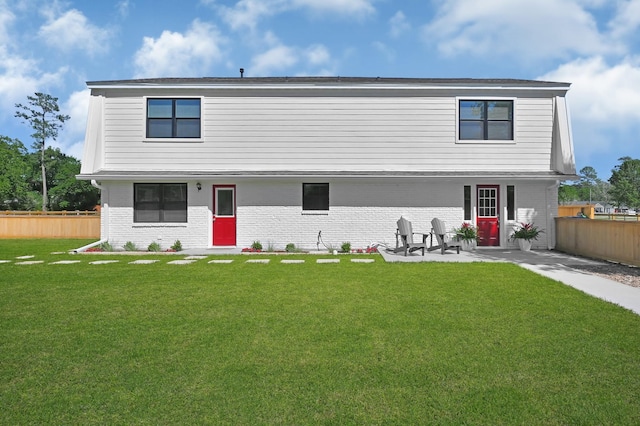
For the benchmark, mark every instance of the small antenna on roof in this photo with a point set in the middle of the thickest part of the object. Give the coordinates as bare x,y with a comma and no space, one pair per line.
241,72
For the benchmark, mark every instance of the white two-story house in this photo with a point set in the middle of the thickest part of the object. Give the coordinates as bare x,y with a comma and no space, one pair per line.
219,162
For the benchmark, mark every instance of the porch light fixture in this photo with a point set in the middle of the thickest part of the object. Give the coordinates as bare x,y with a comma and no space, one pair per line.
199,186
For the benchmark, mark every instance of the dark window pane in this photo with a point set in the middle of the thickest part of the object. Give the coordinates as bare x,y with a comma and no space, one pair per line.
471,130
500,110
471,110
159,108
499,130
159,128
188,108
174,192
188,128
315,196
467,202
511,202
224,202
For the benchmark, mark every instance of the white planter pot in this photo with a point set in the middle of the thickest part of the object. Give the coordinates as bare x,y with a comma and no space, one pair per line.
468,245
524,244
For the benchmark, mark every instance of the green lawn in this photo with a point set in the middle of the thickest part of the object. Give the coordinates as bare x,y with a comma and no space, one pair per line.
345,343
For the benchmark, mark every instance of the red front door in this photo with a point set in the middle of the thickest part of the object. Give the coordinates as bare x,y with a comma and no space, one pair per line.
489,215
224,215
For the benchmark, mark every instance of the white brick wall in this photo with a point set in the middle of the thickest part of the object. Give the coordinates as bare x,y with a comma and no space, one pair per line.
362,211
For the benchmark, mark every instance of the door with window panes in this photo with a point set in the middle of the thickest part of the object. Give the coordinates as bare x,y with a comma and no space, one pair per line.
224,215
488,203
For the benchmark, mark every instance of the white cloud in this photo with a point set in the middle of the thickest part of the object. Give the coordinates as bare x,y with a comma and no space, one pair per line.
608,95
316,59
180,55
627,19
248,13
275,59
398,24
123,8
317,55
71,138
6,18
77,107
605,108
20,77
522,29
72,30
358,8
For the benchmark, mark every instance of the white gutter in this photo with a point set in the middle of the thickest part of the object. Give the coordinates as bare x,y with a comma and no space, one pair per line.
88,246
551,228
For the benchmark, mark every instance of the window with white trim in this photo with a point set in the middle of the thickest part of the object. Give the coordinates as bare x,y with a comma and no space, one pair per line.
160,202
485,120
173,118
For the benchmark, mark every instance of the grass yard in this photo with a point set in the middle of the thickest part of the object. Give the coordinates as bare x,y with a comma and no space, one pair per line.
345,343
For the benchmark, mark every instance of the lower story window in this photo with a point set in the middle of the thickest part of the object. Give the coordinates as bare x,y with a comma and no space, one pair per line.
159,202
315,196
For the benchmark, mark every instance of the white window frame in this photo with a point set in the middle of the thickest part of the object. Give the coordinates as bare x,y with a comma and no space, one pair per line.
172,140
486,141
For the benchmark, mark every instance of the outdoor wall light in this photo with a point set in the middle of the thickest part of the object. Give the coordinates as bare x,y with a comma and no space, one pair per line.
199,186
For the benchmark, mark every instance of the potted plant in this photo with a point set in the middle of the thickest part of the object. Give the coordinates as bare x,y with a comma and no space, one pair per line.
524,234
468,235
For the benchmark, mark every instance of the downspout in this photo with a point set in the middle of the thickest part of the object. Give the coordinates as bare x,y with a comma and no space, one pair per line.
104,238
551,228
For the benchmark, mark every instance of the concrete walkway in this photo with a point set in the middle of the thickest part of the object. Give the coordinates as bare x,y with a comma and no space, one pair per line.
557,266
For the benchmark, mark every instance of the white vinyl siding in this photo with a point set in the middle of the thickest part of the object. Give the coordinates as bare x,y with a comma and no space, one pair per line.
380,132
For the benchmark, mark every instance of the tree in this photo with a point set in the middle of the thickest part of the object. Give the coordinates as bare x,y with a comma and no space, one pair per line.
42,115
567,193
625,183
15,193
67,192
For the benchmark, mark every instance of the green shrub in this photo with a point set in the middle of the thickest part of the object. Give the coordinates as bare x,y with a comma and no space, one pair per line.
154,246
129,246
177,246
256,245
346,247
106,246
291,248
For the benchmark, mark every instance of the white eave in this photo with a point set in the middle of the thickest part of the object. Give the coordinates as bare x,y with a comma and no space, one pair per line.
172,175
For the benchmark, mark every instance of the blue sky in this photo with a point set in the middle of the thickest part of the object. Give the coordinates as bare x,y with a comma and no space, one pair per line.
56,46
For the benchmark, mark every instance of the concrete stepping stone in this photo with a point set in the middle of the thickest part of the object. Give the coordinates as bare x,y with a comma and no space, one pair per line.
328,261
30,262
5,261
221,261
31,256
182,261
58,252
362,260
64,262
195,257
292,261
258,261
143,262
103,262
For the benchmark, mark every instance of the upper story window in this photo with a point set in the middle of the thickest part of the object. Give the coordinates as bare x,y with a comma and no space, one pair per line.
486,120
173,118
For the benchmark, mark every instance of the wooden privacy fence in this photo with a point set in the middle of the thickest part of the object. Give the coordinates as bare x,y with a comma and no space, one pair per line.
587,210
599,239
72,224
